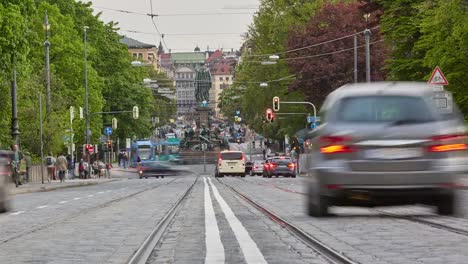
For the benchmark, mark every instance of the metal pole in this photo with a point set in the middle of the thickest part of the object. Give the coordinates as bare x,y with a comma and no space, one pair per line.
47,45
14,111
309,103
204,160
86,86
355,59
367,34
42,140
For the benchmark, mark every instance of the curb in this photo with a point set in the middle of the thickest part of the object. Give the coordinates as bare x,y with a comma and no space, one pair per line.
48,189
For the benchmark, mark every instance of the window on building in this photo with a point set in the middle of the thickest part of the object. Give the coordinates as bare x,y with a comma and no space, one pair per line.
140,55
135,55
221,78
227,78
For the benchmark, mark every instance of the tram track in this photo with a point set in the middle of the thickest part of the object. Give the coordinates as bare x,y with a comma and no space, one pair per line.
413,219
143,252
330,254
39,227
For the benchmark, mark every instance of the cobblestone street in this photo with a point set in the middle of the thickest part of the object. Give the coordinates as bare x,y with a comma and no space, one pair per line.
108,222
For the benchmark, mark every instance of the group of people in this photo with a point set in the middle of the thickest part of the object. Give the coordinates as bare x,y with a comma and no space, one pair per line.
58,168
123,159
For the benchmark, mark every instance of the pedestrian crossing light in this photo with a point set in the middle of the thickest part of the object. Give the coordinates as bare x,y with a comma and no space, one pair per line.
269,115
276,104
135,112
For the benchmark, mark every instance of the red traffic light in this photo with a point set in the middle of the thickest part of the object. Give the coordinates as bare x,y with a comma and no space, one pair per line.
276,103
269,114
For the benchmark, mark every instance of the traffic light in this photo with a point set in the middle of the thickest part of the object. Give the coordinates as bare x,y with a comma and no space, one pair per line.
109,144
269,115
276,103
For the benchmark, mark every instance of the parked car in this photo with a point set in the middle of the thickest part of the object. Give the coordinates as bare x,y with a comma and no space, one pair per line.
387,143
279,166
156,169
257,168
230,163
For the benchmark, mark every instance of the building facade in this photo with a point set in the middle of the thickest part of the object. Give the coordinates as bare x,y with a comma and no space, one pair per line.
222,67
146,53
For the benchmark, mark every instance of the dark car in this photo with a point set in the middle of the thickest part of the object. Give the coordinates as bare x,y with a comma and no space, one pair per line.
157,169
279,166
387,143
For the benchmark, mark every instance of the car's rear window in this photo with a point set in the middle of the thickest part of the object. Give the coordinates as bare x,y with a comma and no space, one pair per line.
384,109
231,156
282,161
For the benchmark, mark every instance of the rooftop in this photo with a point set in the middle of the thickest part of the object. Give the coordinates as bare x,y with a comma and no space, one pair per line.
135,44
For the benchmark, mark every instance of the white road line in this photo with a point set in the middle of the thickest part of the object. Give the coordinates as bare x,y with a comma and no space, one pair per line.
99,192
214,246
249,248
42,206
91,195
17,213
77,198
62,202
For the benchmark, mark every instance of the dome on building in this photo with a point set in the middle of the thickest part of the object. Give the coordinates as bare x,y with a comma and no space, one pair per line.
197,49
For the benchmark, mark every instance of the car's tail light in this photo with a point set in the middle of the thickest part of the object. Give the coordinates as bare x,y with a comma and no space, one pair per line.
335,144
273,165
447,143
291,165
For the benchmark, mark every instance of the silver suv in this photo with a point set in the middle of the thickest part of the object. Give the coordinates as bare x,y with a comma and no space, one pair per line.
386,143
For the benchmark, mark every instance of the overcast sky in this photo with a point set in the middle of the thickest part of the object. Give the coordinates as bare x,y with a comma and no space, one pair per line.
235,23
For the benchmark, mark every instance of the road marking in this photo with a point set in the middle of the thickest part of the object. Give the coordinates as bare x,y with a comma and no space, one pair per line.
99,192
17,213
77,198
249,248
62,202
214,246
42,206
91,195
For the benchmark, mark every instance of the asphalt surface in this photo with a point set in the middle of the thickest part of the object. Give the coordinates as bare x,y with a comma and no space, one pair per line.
107,223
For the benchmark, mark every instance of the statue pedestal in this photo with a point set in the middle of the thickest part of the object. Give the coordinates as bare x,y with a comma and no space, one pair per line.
203,114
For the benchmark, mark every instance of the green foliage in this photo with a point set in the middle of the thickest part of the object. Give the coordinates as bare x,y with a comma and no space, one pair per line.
114,85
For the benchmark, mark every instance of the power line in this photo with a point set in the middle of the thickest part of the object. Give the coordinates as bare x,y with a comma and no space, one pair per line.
309,46
155,26
173,14
181,34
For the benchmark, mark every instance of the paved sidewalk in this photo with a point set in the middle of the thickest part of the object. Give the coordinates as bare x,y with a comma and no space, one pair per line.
54,185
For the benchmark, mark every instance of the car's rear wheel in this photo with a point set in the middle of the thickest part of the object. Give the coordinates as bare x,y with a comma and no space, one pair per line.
446,204
251,173
243,175
162,176
319,207
220,175
294,176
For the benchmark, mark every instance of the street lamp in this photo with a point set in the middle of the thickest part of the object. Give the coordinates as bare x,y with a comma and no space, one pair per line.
263,84
86,86
273,57
47,45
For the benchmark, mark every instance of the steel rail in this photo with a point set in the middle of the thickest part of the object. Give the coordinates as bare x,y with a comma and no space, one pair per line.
327,252
71,216
144,251
403,217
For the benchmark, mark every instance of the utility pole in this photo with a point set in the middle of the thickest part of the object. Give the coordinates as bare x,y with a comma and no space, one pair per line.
367,34
42,138
86,86
14,111
355,58
47,48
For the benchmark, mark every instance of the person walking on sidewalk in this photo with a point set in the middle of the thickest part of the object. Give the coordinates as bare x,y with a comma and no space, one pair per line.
15,165
62,167
108,169
50,163
27,159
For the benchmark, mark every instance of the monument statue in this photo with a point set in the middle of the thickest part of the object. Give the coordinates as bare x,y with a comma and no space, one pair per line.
202,85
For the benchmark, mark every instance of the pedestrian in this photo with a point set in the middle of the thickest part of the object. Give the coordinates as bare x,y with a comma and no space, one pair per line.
16,159
125,160
81,169
120,159
108,168
27,159
71,167
62,167
50,163
264,154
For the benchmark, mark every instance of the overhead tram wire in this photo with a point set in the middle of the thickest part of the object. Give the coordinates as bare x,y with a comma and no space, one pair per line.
152,15
181,34
173,14
309,46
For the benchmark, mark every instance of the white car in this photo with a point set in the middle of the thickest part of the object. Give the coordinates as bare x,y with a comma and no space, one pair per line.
230,163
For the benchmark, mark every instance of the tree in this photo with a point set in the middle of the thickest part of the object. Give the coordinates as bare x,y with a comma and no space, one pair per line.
324,67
